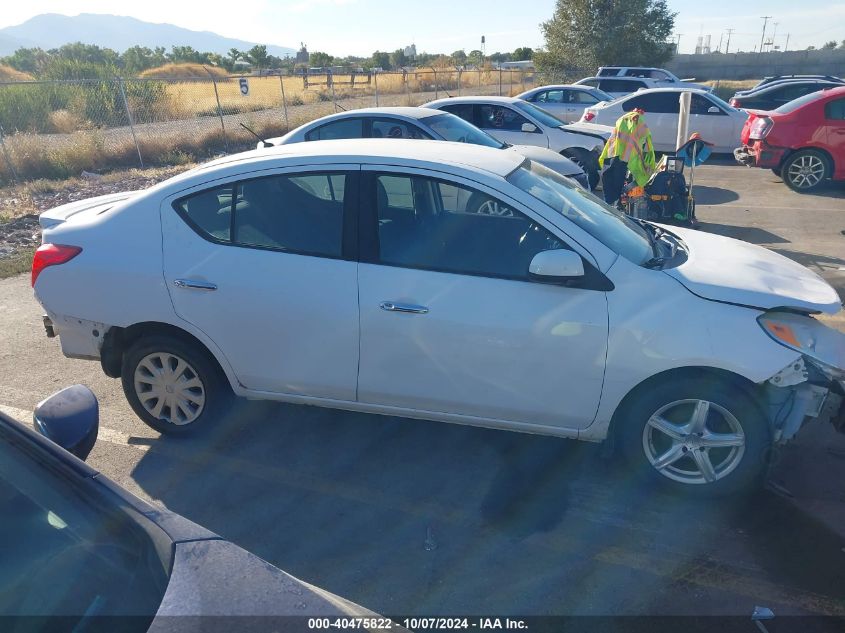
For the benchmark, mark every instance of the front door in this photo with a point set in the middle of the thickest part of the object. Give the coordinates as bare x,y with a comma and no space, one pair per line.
451,321
260,265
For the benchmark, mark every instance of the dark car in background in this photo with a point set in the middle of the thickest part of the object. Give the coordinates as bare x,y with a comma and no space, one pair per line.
778,78
803,141
778,93
80,553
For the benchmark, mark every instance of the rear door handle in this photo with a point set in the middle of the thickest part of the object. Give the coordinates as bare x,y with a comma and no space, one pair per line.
411,308
194,284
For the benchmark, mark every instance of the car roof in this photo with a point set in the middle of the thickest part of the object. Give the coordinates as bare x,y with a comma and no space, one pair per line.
558,87
476,99
426,153
675,89
617,78
774,85
404,111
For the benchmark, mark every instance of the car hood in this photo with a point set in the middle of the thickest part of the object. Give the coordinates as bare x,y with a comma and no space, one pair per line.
592,129
552,160
724,269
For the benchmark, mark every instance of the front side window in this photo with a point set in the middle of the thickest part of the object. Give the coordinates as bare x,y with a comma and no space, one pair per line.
455,129
609,226
582,97
344,128
442,226
300,213
701,105
495,117
393,128
550,96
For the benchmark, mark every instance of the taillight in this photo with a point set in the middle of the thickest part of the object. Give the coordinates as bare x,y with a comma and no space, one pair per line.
734,102
52,255
589,116
760,128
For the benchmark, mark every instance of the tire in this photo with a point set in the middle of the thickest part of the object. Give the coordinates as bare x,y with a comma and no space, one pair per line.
204,401
659,429
805,170
584,160
776,171
485,205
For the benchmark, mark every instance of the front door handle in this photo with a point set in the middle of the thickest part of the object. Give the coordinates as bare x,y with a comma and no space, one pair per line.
411,308
194,284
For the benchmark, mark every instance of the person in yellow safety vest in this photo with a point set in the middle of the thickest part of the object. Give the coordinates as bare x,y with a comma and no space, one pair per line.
628,149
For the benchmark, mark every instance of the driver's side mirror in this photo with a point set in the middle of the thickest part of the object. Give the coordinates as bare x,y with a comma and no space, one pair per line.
556,265
529,127
70,418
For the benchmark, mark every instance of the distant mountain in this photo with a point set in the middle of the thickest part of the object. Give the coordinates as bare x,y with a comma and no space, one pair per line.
51,30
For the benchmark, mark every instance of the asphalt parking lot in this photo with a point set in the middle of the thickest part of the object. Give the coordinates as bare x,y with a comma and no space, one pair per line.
411,517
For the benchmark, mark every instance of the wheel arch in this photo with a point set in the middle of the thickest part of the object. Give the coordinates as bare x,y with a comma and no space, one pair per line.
695,373
118,339
821,150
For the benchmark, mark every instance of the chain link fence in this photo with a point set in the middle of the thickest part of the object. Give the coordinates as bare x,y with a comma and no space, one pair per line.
56,129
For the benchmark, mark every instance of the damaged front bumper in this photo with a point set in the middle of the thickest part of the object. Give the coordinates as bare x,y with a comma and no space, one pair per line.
803,391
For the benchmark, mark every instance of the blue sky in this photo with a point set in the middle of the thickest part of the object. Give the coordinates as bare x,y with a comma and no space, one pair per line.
359,27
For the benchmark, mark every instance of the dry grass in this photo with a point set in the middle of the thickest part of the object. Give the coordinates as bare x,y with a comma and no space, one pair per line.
17,263
183,71
725,89
7,73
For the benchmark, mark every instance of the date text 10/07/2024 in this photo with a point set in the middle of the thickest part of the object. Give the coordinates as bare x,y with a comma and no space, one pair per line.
418,623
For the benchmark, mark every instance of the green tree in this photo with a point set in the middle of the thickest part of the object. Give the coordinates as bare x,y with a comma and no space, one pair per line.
459,57
136,59
523,53
258,56
185,54
829,46
320,60
475,57
398,59
381,60
28,60
585,34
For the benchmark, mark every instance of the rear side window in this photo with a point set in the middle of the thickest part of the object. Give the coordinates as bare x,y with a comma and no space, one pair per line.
463,110
393,128
345,128
608,72
299,213
835,110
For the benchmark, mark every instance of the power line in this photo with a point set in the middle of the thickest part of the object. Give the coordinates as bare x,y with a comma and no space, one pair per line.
765,19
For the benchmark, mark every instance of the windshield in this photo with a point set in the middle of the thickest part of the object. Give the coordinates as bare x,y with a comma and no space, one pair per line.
793,105
454,128
65,550
611,227
549,120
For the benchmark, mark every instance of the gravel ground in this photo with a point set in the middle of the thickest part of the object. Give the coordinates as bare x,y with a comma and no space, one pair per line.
20,206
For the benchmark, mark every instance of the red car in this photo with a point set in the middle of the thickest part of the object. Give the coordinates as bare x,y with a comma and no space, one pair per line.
802,141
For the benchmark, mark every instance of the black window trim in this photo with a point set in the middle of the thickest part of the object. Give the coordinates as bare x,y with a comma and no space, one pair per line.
332,122
349,234
829,106
368,235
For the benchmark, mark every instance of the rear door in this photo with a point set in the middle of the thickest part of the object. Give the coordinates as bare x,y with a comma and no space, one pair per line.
264,264
555,102
661,116
834,127
713,123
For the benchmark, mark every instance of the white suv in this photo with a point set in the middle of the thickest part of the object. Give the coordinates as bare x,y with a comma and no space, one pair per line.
660,76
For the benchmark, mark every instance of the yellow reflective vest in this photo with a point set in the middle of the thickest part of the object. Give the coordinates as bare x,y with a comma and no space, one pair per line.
631,142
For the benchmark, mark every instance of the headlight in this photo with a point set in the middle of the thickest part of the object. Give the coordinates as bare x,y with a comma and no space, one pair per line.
808,336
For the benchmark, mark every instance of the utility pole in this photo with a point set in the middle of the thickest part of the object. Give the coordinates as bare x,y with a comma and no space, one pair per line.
765,19
774,33
719,47
678,44
785,46
728,45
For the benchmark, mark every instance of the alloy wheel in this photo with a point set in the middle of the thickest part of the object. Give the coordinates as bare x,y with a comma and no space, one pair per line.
169,388
492,207
806,171
693,441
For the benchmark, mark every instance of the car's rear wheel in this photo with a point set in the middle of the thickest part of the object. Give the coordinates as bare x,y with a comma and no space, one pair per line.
585,161
700,436
805,170
173,386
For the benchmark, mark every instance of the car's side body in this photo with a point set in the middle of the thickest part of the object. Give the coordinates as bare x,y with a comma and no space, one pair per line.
774,95
716,121
490,351
566,101
416,123
813,123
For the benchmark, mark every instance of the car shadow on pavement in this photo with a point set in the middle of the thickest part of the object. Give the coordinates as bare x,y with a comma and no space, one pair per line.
751,234
709,195
406,516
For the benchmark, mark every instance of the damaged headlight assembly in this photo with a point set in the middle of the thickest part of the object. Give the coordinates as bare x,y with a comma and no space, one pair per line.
813,385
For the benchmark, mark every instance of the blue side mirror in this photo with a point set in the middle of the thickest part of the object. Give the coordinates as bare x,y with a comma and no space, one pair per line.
70,418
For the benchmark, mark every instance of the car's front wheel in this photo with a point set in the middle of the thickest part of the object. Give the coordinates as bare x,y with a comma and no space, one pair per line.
173,386
805,170
585,161
702,436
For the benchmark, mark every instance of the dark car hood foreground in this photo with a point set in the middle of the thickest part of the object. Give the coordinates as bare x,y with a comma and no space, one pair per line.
220,586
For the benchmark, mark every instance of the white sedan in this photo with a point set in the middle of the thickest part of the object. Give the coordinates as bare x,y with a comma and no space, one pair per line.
512,120
717,121
566,101
360,274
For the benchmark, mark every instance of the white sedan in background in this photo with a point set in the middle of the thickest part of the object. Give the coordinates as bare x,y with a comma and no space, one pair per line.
566,101
360,275
518,122
419,123
716,121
